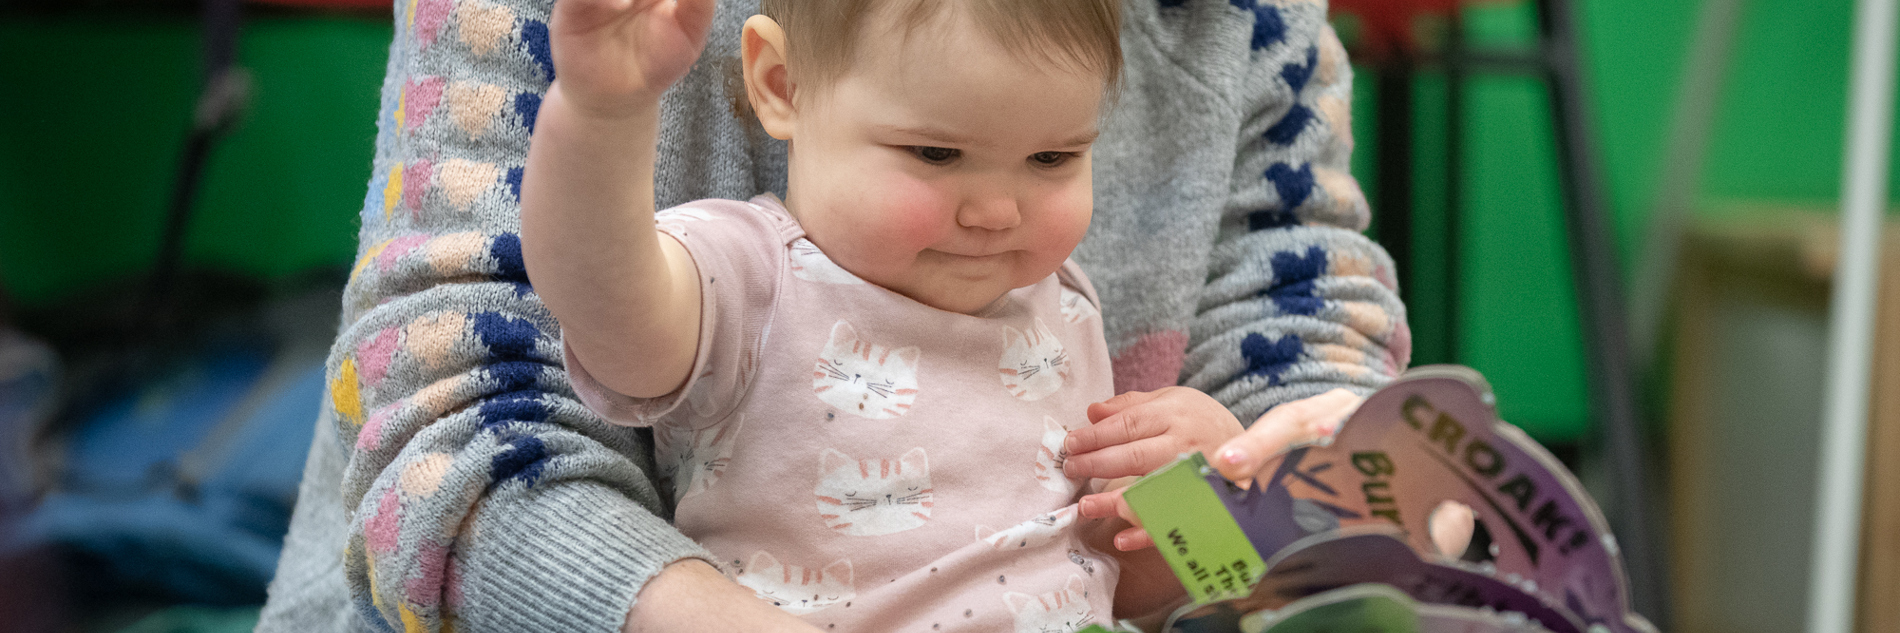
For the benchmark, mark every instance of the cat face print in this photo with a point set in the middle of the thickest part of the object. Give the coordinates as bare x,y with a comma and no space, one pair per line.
811,264
863,379
1063,611
694,459
798,590
1051,455
1035,532
1077,308
871,497
1034,364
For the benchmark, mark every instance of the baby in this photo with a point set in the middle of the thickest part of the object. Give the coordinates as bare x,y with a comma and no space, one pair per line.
859,394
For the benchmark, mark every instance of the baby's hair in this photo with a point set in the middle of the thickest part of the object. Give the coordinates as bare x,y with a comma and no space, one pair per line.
822,35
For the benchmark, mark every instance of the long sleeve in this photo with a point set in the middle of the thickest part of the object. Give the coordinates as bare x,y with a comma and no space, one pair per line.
1297,300
476,491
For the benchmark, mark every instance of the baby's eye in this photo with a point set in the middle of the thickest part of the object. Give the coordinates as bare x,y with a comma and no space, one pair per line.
1050,159
936,155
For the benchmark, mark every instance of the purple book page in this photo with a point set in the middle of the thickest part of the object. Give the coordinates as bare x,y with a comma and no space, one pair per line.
1266,515
1374,554
1450,619
1432,436
1364,559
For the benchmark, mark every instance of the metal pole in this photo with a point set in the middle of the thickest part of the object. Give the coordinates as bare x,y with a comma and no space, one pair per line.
1395,131
1452,249
1831,587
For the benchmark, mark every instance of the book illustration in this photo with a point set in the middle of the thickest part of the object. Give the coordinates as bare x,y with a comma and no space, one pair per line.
1434,436
1359,507
1379,607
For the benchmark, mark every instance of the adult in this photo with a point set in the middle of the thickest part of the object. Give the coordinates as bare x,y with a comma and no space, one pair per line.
455,480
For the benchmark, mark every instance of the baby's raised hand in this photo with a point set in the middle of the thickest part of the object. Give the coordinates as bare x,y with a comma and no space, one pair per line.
614,57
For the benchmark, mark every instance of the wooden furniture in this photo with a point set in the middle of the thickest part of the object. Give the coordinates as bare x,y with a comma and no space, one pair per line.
1743,425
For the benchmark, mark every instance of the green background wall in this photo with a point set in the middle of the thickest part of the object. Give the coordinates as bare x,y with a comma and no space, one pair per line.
94,118
1775,142
96,106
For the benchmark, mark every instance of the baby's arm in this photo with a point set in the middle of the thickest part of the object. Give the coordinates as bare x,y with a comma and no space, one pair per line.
627,297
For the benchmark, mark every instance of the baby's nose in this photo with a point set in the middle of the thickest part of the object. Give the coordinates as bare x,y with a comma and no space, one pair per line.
995,214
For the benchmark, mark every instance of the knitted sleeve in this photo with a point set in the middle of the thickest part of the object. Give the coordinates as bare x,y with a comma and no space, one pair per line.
480,494
1297,301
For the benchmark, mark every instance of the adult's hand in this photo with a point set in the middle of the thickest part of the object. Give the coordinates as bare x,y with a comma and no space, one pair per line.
1297,422
690,596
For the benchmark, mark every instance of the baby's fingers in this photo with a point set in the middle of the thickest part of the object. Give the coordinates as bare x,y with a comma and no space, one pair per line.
1132,539
1101,410
585,16
1116,421
1131,459
1104,505
694,17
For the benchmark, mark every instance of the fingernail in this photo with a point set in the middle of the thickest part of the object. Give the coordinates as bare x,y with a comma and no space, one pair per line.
1234,457
1121,542
1068,444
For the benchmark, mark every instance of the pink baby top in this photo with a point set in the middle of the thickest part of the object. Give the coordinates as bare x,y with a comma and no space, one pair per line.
868,462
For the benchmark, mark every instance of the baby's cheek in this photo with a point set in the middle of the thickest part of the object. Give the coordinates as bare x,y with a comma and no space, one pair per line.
1063,217
915,215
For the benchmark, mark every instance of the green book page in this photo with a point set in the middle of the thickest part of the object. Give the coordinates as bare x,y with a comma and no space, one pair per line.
1194,532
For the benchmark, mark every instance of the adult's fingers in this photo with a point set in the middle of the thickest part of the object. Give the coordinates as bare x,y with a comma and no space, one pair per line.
1295,422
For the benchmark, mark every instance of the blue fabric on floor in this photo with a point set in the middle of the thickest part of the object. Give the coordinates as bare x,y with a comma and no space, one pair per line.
183,489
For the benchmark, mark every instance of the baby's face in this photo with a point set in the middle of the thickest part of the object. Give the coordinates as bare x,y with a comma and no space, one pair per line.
944,168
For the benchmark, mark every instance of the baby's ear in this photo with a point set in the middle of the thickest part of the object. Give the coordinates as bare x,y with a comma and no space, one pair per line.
768,81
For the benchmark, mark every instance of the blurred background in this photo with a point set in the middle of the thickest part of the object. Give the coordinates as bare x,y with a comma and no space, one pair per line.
167,295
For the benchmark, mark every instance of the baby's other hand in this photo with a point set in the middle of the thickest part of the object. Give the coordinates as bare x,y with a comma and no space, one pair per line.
611,55
1139,431
1135,433
1238,455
